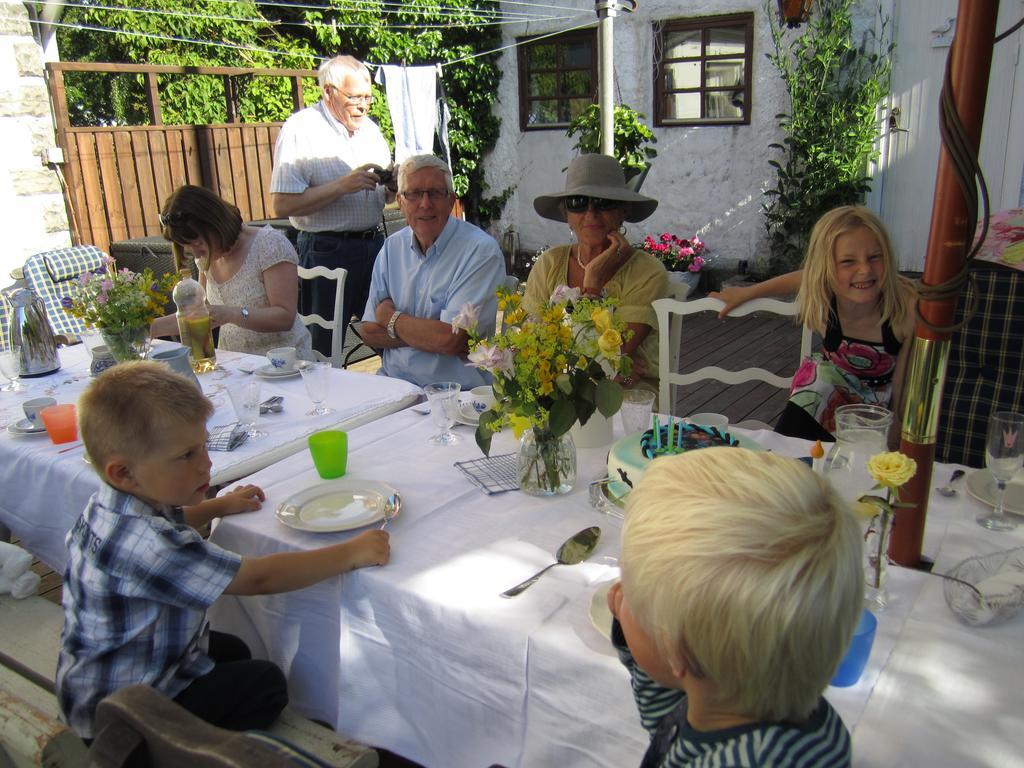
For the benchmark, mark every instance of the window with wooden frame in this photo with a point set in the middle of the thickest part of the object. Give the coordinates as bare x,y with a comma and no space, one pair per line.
702,70
557,78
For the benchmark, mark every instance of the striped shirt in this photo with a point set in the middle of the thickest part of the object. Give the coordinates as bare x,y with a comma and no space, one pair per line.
820,742
136,589
312,149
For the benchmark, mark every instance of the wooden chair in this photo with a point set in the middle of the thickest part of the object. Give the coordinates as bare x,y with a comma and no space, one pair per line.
668,310
335,325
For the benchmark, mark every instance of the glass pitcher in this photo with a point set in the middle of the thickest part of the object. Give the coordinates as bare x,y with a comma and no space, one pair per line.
861,432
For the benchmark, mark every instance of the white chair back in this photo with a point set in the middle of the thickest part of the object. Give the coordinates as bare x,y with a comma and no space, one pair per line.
670,314
335,325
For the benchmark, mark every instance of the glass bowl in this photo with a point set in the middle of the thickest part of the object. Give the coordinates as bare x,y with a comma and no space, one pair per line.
999,581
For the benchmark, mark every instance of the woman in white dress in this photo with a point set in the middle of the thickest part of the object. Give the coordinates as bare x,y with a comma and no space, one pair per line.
250,274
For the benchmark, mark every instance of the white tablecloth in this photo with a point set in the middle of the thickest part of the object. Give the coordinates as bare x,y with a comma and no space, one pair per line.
44,487
422,656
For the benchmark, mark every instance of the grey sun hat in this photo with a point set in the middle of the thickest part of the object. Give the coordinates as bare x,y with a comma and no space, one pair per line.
595,176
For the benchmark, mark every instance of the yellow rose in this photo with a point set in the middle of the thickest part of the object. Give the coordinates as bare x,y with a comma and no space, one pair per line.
891,470
609,342
602,319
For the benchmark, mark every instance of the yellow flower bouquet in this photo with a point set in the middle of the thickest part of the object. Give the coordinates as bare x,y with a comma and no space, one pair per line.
551,370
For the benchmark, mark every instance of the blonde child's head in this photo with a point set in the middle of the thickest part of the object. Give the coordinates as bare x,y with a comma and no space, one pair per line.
745,569
129,409
819,268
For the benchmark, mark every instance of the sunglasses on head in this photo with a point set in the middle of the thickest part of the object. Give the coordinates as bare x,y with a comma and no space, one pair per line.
580,203
175,219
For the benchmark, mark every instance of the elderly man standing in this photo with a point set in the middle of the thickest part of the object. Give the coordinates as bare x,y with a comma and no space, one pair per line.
327,180
425,275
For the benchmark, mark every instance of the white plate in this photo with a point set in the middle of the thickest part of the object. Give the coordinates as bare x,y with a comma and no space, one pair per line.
335,505
25,427
599,613
982,486
270,372
467,414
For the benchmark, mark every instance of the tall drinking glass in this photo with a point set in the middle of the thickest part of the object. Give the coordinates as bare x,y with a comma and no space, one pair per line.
314,376
444,405
861,432
1004,456
245,398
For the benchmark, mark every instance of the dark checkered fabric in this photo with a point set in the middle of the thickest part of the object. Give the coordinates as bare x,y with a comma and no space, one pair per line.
54,274
985,372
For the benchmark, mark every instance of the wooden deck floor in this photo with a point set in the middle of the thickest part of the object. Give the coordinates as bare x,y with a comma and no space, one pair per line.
766,341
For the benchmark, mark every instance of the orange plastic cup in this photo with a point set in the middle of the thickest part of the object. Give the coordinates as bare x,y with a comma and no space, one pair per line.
61,422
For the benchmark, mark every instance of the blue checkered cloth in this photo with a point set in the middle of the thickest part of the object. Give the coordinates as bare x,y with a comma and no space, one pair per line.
53,275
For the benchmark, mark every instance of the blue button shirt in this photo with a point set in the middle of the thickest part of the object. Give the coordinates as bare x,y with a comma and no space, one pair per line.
463,265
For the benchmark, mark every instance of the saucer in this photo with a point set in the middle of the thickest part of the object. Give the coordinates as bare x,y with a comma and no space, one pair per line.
270,372
467,414
24,427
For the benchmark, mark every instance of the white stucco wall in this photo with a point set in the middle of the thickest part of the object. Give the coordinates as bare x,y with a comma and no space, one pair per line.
708,179
33,216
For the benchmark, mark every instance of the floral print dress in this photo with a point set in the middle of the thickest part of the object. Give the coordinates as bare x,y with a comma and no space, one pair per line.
847,371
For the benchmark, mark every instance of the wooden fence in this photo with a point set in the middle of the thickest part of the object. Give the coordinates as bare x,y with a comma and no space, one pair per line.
117,177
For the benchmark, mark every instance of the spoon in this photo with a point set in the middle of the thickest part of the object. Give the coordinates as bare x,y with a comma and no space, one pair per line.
574,550
948,489
392,506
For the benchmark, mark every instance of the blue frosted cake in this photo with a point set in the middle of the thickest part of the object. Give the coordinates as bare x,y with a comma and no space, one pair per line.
630,456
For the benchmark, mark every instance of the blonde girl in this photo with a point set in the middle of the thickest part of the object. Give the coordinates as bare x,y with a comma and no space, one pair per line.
851,295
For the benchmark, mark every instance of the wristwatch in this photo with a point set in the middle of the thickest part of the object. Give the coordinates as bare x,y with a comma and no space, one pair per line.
245,314
391,324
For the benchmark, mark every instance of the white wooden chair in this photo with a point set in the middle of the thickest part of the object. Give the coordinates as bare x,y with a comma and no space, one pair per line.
670,313
335,325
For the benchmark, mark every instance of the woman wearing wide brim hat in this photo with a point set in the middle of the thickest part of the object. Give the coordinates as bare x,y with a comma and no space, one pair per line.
601,262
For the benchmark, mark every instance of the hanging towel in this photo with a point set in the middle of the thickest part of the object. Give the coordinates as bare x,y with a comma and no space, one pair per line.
412,101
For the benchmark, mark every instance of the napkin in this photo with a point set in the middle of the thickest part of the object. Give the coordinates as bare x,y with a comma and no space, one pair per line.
227,437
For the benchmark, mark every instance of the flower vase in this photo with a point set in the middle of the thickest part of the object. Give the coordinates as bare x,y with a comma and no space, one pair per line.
687,278
546,465
127,342
876,560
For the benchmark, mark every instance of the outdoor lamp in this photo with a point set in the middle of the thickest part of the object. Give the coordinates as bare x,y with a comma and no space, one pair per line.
793,13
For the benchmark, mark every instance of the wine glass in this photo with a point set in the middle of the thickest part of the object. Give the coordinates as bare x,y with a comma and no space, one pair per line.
10,367
245,398
444,404
314,376
1004,456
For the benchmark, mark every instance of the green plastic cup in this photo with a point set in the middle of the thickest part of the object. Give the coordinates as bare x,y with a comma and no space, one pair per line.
330,452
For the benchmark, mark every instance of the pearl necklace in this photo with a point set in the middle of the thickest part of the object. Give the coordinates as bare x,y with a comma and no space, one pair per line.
579,260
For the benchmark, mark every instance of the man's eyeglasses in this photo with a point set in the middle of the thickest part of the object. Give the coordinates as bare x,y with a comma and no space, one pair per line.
580,203
433,195
367,99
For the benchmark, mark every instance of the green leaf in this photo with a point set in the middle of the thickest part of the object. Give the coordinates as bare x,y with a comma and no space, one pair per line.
609,397
562,417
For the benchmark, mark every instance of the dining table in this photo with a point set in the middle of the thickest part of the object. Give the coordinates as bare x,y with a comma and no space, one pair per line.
44,487
423,656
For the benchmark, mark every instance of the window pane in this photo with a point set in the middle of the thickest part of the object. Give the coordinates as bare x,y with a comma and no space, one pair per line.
576,106
542,56
724,105
682,106
542,112
682,75
576,83
578,54
724,73
727,41
542,85
682,44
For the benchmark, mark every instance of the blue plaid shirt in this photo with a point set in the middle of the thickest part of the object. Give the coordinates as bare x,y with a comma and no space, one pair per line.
136,589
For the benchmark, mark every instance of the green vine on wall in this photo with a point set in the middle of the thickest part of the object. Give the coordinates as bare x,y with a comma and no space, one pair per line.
834,87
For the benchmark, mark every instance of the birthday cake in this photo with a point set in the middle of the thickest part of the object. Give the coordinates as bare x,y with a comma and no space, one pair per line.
630,456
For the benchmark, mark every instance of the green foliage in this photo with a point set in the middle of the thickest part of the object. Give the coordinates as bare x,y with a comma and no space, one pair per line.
631,137
834,88
418,32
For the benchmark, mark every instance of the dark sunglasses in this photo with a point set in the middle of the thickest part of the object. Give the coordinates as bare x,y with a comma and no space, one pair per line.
580,203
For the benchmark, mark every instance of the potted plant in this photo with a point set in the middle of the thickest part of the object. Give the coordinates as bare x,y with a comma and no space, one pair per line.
631,137
684,259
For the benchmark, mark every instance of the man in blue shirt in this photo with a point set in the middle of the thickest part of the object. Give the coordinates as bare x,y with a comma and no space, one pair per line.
425,274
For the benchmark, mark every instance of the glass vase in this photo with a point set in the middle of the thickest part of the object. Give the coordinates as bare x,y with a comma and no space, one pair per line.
127,342
547,464
876,561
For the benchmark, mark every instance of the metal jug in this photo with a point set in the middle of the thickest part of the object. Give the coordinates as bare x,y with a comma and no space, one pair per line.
30,329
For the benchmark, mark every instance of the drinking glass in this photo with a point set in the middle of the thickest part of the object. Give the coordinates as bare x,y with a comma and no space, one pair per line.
637,405
10,367
1004,456
861,432
314,376
444,405
245,398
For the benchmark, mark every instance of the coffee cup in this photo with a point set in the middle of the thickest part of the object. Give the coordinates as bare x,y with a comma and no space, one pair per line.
34,406
716,420
481,398
282,358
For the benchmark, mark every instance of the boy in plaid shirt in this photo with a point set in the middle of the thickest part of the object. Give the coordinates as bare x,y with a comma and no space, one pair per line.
140,578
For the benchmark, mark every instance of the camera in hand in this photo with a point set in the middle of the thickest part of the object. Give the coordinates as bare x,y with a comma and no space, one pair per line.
384,176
